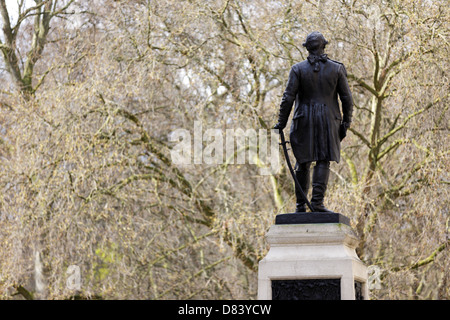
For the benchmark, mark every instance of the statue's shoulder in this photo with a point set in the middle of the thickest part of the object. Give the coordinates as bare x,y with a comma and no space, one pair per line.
339,66
338,63
300,66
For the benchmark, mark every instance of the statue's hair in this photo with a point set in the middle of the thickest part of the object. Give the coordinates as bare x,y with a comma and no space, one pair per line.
311,41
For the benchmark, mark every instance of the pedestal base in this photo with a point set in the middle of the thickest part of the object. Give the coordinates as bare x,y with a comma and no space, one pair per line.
306,259
311,217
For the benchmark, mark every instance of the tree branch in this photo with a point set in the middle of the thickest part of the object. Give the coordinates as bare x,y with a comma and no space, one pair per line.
423,262
381,141
10,57
359,135
363,84
41,29
24,292
26,14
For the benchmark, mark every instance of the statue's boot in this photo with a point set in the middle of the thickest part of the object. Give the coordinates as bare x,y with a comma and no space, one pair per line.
302,173
319,185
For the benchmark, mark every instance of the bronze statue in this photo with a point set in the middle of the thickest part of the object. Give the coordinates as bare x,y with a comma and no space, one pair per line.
317,127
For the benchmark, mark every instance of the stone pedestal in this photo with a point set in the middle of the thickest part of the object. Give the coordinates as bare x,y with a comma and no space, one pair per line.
312,257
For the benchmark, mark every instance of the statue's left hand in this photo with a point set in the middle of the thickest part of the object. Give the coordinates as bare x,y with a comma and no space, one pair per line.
278,126
343,130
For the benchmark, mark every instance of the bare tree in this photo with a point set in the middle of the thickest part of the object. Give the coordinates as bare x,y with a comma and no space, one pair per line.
22,72
88,180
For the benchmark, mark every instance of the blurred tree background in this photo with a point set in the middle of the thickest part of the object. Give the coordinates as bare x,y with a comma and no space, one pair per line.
91,90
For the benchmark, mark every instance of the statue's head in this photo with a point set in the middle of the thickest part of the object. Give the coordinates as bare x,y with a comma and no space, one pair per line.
315,41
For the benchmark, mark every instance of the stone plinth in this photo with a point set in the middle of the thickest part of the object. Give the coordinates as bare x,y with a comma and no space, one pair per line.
312,256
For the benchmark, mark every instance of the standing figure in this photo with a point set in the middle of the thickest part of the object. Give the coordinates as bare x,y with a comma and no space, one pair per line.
318,126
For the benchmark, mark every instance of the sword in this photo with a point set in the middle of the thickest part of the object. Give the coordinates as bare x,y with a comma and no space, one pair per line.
286,155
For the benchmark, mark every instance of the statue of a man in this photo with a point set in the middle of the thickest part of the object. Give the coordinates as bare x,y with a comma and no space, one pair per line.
318,126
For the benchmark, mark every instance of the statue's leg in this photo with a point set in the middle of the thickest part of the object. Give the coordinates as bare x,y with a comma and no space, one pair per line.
319,184
303,176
